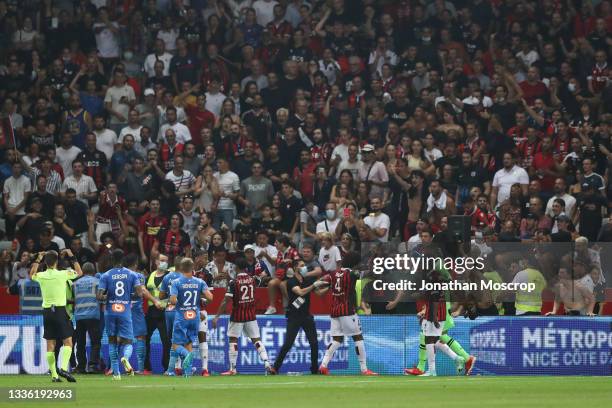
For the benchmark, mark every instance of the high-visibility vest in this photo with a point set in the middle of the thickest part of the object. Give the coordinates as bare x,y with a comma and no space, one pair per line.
358,289
86,305
152,288
531,301
30,297
495,277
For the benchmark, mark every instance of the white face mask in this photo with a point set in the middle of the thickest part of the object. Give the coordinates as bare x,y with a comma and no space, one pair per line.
426,39
330,214
163,265
571,87
303,271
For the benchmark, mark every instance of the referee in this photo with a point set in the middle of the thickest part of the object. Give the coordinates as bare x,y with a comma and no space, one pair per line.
299,286
57,324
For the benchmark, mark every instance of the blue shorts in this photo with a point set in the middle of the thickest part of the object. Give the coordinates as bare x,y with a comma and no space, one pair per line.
119,326
139,325
185,331
169,322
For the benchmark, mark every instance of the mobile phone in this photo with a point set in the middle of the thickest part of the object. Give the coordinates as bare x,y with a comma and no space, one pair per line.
346,212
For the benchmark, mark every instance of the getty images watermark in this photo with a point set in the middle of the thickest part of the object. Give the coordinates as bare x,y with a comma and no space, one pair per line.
407,264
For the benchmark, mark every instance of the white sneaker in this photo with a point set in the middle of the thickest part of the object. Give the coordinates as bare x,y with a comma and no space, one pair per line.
117,377
428,374
270,310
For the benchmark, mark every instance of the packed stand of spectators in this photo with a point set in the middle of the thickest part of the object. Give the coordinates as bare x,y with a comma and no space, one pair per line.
207,127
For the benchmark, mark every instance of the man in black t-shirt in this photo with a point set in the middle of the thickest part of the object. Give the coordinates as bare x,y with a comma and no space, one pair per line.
299,286
590,204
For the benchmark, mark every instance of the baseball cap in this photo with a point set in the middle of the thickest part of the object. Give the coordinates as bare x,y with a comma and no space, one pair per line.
249,248
148,92
367,148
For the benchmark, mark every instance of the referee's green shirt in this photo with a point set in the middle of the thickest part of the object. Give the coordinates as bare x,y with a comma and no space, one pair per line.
53,286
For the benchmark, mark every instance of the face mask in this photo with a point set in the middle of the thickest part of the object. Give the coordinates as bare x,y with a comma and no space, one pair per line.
426,39
571,87
163,266
330,214
499,100
128,55
303,271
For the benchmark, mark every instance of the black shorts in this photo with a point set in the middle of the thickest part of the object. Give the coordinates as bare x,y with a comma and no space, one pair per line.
56,323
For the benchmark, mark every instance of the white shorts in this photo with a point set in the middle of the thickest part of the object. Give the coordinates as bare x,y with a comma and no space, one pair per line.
249,329
345,326
430,330
203,322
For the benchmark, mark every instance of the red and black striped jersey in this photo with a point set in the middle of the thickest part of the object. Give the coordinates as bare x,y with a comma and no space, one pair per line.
242,291
95,166
150,225
435,306
342,283
172,243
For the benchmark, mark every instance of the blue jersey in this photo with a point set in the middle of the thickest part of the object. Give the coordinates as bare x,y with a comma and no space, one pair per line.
119,283
188,292
166,286
136,300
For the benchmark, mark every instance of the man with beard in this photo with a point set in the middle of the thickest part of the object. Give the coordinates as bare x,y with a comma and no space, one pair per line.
94,160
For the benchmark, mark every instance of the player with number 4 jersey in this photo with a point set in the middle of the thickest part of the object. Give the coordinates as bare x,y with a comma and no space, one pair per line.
241,291
185,295
344,320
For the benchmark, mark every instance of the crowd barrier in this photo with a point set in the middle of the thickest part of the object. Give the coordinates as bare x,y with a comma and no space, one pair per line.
502,345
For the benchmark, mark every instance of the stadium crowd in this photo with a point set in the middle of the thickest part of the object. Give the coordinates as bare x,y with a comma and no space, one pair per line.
288,129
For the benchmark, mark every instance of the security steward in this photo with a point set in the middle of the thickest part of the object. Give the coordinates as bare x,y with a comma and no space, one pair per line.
155,317
56,322
304,280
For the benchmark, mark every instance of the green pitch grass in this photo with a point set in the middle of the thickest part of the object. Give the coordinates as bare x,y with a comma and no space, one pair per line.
317,391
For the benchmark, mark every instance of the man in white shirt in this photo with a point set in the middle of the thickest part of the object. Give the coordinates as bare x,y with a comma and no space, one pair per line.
570,201
329,254
133,128
340,153
373,172
16,190
214,97
381,55
378,222
106,139
118,100
66,153
504,179
159,54
353,164
84,185
183,180
265,252
229,186
330,222
183,135
264,9
107,36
